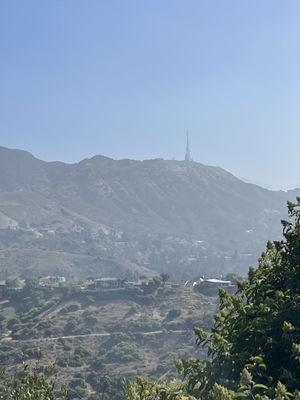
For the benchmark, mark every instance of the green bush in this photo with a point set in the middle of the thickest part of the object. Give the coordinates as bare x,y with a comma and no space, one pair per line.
29,386
82,352
69,360
144,389
90,320
144,324
172,314
122,353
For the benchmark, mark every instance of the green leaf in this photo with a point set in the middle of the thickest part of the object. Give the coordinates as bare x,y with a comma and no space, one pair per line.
260,386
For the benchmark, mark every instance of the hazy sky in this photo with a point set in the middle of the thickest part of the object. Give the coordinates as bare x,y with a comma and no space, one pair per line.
126,78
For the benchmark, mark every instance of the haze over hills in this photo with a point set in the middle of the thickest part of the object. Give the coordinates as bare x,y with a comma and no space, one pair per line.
278,187
119,217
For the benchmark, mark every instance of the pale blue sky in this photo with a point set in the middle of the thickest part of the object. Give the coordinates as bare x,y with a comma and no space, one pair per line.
126,78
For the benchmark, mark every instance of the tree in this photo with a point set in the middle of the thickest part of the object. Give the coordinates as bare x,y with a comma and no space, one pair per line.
164,277
13,281
31,283
144,389
30,386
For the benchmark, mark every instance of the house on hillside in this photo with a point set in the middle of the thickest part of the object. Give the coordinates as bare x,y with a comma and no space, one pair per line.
52,281
106,283
211,286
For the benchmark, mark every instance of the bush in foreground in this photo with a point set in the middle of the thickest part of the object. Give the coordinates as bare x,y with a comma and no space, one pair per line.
29,386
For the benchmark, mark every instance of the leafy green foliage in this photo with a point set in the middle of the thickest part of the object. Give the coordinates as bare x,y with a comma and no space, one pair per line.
143,389
123,352
174,313
30,386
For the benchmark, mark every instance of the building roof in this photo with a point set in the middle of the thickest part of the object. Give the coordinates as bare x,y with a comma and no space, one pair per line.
213,280
106,279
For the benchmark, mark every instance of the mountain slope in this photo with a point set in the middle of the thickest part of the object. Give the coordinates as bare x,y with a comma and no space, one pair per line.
106,203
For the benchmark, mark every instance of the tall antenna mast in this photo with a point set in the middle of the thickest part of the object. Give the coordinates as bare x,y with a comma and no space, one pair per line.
188,157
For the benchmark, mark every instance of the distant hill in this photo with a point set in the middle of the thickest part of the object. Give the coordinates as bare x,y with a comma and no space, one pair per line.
147,213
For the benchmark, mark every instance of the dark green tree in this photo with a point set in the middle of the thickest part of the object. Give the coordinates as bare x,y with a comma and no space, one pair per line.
164,276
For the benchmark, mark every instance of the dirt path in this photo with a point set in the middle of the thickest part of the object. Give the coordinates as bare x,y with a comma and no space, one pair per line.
106,334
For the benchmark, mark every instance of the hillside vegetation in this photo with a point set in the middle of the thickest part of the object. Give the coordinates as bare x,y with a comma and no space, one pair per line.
254,345
91,340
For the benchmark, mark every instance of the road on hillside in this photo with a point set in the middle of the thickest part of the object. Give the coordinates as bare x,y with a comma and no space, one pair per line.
89,335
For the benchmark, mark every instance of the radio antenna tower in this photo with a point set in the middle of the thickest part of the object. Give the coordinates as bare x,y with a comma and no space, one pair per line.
188,157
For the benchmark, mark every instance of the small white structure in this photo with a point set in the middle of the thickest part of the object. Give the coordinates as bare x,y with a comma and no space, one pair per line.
212,285
52,281
106,283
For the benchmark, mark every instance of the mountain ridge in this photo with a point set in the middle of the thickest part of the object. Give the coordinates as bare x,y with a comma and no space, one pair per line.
99,203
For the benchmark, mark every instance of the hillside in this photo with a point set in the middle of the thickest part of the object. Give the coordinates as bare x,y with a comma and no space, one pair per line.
157,214
91,340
